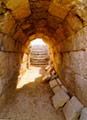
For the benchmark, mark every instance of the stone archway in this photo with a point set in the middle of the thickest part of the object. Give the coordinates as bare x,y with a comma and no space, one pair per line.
61,23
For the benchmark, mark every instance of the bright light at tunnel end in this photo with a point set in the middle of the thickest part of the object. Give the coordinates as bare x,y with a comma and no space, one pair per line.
38,41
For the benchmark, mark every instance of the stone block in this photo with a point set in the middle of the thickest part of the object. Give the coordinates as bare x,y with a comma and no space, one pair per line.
60,98
77,104
69,111
84,114
20,9
47,67
55,9
54,76
53,72
72,109
53,83
64,88
56,89
59,82
46,78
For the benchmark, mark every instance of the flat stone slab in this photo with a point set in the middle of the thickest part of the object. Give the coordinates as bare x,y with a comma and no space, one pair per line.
84,114
72,109
56,89
64,88
53,83
46,78
59,82
60,98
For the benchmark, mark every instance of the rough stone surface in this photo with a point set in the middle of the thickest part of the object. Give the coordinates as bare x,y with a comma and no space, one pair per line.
72,109
53,83
84,114
56,89
60,98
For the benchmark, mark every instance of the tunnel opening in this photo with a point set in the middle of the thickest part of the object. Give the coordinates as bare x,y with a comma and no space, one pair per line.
39,53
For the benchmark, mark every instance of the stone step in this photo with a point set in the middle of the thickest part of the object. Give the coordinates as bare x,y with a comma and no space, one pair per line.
72,109
60,98
39,53
39,58
38,50
39,63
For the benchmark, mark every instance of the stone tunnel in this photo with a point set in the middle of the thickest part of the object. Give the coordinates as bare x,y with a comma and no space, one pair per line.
62,24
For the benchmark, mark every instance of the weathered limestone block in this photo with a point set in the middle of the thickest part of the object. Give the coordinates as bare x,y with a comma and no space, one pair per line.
60,98
53,72
25,26
1,39
47,67
72,24
25,49
82,13
42,5
53,21
20,36
59,82
8,24
8,44
46,78
72,109
59,34
84,114
20,9
64,88
56,89
55,9
53,83
77,41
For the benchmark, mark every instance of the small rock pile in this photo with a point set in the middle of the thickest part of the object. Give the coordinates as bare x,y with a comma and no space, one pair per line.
73,109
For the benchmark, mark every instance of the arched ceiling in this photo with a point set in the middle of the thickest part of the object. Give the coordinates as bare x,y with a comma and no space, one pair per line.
54,18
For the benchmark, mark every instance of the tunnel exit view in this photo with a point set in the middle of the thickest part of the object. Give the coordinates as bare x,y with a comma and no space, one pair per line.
43,59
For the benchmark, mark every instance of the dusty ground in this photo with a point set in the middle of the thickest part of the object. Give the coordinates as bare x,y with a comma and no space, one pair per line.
32,100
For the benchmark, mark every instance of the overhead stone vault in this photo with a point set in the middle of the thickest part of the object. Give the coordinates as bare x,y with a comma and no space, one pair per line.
62,24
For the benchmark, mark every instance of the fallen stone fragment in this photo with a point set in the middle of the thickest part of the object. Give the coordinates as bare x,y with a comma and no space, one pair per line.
56,89
53,72
72,109
50,69
47,67
54,77
64,88
84,114
59,82
60,98
46,78
53,83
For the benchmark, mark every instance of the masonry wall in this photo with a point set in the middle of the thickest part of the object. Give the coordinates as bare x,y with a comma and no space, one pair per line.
14,56
70,62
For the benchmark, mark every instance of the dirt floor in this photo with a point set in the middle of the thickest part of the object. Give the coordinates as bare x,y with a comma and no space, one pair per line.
32,99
